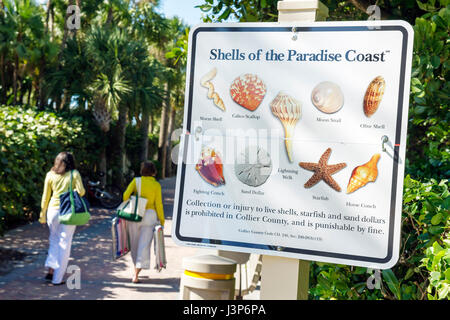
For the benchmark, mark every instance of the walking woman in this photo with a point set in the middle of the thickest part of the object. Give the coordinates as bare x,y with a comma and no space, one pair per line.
141,233
57,182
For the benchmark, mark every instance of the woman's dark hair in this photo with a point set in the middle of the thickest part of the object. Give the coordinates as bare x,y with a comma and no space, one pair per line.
148,169
64,161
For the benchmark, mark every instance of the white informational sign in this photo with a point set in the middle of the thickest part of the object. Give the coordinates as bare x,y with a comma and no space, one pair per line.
294,140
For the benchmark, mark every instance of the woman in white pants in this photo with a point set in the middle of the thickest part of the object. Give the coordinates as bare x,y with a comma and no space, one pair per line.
56,183
141,233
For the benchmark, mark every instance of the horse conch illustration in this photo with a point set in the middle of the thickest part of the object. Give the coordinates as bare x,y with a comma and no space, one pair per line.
363,174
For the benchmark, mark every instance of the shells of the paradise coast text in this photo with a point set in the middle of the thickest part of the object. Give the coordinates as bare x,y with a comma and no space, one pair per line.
327,97
210,167
373,96
248,91
363,174
288,110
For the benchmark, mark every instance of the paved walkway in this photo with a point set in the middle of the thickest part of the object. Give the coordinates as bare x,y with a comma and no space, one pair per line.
101,278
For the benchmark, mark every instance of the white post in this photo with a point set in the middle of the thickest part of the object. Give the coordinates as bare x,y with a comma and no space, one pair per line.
286,278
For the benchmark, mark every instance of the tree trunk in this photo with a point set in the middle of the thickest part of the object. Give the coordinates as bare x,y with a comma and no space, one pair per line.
144,130
47,17
15,75
66,32
102,166
152,124
169,141
121,130
42,93
3,79
162,152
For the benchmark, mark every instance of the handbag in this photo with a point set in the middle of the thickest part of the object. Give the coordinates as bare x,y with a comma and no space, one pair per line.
120,238
160,249
134,208
73,209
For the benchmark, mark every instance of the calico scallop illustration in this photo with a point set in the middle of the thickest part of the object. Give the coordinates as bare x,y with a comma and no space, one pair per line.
248,91
363,174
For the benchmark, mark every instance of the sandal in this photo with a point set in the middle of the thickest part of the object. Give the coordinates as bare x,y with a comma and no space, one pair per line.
135,280
57,284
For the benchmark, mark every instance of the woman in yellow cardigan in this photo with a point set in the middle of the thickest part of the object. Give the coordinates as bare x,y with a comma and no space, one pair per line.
57,182
141,233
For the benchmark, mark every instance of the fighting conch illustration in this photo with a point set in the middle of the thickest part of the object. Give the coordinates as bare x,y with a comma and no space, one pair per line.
205,81
248,91
363,174
210,167
373,96
288,111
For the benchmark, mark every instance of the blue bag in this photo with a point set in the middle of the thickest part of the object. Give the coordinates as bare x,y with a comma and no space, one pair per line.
73,209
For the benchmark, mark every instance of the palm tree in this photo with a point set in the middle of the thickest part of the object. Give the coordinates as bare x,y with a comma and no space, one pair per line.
109,85
22,17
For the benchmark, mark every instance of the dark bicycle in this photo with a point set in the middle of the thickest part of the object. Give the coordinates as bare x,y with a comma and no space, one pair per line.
109,196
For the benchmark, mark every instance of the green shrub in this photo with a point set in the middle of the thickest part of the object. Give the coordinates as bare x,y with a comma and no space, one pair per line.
423,268
29,142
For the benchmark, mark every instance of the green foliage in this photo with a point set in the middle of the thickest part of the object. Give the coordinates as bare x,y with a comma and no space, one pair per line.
437,262
423,268
428,147
29,142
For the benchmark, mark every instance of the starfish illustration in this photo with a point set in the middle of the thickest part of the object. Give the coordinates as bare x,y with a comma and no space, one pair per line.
323,171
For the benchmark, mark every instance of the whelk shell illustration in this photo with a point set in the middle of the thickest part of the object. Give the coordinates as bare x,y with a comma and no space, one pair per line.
205,81
210,167
253,166
363,174
327,97
373,96
288,110
248,91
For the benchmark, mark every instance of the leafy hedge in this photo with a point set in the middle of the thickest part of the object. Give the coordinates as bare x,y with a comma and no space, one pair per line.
423,270
29,142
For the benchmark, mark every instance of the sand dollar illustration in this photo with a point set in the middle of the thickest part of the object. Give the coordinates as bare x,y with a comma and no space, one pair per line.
253,166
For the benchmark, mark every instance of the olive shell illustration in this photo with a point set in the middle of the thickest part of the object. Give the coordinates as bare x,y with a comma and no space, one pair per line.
253,166
373,96
248,91
327,97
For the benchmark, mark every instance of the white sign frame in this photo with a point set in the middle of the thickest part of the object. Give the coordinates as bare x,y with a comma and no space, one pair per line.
398,145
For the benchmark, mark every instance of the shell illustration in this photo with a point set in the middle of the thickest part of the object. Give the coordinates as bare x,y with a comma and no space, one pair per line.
373,96
210,167
288,110
363,174
205,81
327,97
248,91
253,166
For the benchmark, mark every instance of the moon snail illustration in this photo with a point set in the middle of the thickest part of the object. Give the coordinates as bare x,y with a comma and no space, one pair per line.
327,97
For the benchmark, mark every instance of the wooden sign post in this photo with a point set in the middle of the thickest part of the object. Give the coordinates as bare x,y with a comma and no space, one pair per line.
287,278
